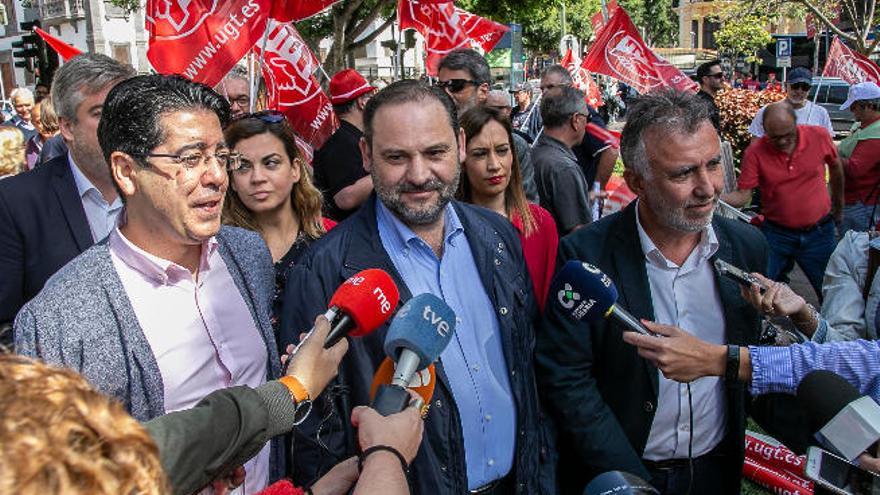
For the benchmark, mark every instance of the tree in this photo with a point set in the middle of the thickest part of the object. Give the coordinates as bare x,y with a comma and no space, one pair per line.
743,35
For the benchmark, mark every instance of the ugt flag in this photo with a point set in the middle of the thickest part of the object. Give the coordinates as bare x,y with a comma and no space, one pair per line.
203,39
297,10
620,52
852,67
582,79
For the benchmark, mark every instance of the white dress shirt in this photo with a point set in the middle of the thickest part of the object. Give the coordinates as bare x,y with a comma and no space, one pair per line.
100,214
809,114
686,296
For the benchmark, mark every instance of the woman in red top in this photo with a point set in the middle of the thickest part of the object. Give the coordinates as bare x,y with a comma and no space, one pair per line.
271,192
492,179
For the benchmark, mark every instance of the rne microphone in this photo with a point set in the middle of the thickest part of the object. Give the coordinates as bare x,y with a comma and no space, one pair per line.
362,303
583,292
846,421
422,382
418,334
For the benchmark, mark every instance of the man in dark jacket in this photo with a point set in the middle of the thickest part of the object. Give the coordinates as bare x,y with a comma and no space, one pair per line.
615,410
482,431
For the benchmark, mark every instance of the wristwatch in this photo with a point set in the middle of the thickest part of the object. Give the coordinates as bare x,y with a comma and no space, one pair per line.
731,373
301,398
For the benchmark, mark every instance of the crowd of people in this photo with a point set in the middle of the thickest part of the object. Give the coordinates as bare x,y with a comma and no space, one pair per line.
168,251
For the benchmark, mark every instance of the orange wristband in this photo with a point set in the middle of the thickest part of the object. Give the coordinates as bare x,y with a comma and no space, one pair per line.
297,390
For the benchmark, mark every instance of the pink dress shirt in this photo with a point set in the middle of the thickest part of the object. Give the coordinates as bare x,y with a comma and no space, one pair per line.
199,329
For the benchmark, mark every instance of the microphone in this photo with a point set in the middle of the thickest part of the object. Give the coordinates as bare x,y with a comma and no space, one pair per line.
584,292
418,334
846,421
360,305
619,483
422,382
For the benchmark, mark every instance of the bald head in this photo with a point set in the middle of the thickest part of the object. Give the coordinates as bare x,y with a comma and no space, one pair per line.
780,125
500,101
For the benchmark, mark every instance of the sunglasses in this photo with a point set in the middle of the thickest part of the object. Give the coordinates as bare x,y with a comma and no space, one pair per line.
719,75
267,116
455,85
801,86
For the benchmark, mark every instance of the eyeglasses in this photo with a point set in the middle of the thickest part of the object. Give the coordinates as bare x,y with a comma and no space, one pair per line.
455,85
719,75
242,101
267,116
801,86
197,161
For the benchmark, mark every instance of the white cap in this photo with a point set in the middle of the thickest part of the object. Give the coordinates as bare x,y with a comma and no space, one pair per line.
862,91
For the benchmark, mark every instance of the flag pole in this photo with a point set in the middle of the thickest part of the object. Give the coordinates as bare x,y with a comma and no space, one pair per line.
255,80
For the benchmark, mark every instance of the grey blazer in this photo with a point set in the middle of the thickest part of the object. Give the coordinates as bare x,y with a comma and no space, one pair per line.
83,319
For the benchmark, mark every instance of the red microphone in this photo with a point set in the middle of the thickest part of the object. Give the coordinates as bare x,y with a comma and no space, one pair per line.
361,304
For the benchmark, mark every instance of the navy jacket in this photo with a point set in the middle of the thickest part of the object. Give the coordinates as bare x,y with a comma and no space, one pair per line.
42,226
601,394
439,467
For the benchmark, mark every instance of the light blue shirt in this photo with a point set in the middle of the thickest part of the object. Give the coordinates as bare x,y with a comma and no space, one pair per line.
100,214
474,360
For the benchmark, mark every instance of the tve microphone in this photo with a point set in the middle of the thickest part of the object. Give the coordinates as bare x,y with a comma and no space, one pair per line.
418,334
584,292
422,382
360,305
846,421
619,483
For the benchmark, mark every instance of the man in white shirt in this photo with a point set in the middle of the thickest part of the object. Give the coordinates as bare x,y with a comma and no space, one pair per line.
797,88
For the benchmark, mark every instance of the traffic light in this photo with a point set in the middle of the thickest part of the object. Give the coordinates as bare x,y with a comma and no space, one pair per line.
32,54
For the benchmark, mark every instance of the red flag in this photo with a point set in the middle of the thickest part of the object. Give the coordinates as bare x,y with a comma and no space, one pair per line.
582,79
620,52
297,10
598,19
64,50
203,39
447,28
288,68
811,26
777,480
852,67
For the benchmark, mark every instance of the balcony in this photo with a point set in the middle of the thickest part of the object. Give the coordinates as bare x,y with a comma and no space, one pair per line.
59,11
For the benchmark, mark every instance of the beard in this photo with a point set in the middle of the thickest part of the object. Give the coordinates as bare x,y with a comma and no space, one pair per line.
676,217
422,214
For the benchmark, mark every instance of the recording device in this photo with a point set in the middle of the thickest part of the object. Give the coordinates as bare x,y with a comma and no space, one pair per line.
739,276
585,293
422,382
418,334
847,422
619,483
360,305
839,476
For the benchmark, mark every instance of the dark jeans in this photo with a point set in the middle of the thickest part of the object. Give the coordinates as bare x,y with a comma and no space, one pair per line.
811,249
712,474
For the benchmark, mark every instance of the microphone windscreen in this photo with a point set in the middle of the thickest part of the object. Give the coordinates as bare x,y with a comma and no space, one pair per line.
422,382
582,291
368,297
619,483
424,325
822,394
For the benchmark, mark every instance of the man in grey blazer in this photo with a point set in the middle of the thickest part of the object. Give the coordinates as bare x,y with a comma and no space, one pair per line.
170,306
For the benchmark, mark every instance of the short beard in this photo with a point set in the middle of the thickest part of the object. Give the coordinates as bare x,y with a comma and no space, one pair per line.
390,197
674,218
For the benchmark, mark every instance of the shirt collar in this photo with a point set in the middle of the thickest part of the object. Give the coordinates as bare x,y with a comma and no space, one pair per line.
403,236
707,246
83,184
157,269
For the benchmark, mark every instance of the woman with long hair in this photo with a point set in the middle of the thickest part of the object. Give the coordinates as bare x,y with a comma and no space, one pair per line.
491,178
271,192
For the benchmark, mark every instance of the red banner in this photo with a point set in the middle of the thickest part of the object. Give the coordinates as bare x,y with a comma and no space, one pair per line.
851,66
582,79
598,19
64,50
620,52
297,10
203,39
447,28
776,480
776,456
288,69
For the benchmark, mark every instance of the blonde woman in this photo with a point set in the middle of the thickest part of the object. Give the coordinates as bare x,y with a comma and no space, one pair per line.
272,193
45,120
12,159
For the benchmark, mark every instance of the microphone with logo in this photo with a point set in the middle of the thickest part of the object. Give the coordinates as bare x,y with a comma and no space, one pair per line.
847,422
422,382
360,305
418,334
583,292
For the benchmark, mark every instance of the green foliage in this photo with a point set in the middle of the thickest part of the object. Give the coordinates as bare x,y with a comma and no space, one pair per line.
128,5
744,35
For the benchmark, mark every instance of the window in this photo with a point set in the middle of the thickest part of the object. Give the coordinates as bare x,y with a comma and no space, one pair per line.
121,53
823,93
837,94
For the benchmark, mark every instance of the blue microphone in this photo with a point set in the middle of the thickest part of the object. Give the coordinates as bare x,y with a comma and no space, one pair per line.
583,292
418,334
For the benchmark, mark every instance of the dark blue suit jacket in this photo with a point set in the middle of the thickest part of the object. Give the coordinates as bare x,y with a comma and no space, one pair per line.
42,226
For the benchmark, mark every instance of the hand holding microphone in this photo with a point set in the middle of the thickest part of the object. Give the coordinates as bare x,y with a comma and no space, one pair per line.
313,364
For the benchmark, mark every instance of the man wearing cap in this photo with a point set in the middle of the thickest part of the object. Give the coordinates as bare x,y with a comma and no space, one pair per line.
338,165
859,153
797,89
526,116
788,165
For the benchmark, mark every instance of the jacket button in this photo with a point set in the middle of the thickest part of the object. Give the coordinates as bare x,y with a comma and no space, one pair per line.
503,310
649,407
438,403
443,467
500,245
497,262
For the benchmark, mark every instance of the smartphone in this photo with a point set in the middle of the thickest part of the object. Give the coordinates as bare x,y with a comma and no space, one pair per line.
839,476
741,277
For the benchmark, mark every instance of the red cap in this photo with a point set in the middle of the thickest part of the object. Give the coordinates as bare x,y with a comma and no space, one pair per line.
368,297
347,85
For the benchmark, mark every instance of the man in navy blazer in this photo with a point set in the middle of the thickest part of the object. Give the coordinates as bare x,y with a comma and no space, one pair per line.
52,214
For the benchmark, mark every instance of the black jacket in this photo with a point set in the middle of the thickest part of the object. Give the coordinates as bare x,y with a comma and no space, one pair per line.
601,394
439,467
